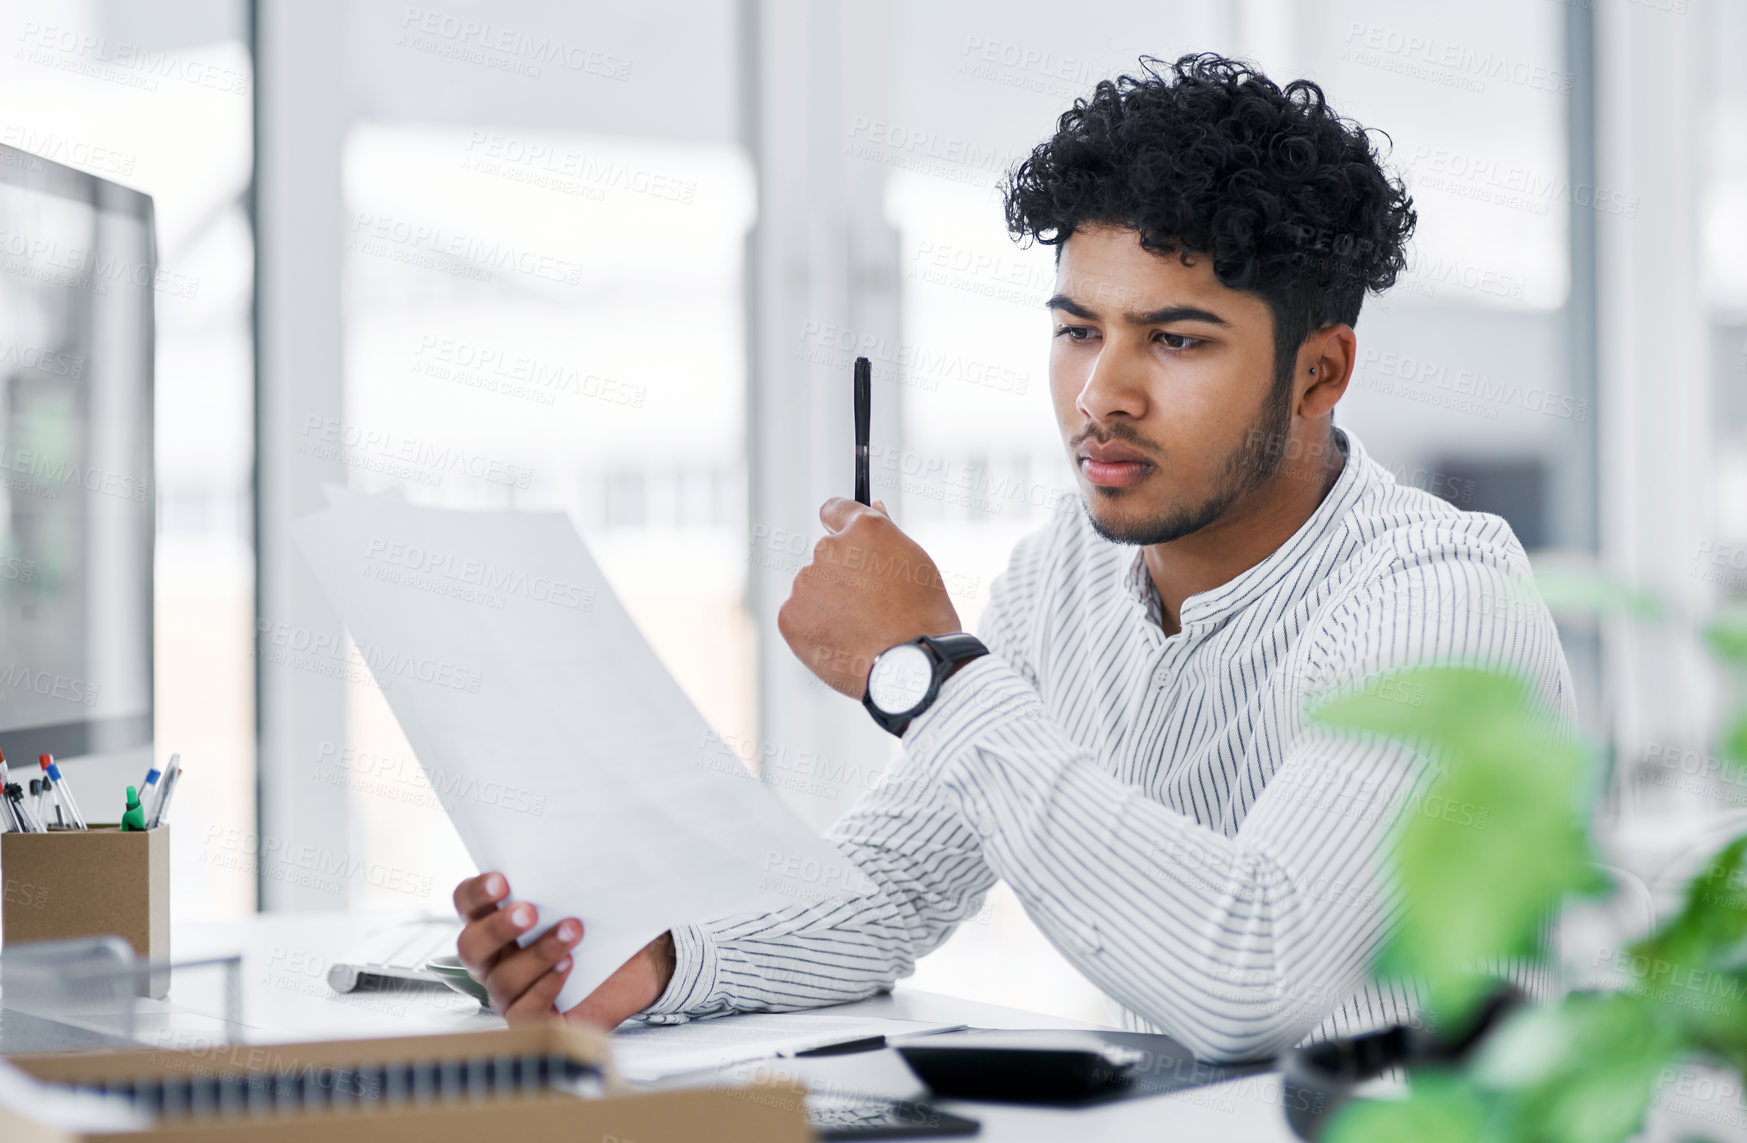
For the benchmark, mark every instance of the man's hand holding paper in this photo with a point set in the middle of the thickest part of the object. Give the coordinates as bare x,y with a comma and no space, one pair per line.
524,982
501,648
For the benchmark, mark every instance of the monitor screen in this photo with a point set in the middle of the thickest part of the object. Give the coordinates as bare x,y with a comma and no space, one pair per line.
77,499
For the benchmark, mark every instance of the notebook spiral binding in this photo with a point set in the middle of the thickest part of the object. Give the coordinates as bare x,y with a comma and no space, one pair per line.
365,1088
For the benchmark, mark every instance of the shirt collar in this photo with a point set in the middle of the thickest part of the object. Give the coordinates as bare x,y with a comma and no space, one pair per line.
1241,588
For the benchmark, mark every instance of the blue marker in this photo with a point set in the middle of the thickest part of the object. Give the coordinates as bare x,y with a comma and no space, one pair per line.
149,788
161,813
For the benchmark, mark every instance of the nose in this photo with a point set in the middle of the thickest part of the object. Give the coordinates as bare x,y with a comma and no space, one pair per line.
1112,387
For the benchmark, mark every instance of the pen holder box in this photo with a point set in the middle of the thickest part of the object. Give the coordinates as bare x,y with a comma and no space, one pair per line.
104,881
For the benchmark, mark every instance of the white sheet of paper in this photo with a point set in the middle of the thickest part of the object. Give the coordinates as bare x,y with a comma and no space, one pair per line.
645,1053
563,751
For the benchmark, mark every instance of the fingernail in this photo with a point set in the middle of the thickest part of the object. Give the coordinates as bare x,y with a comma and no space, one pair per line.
494,885
569,931
562,966
522,916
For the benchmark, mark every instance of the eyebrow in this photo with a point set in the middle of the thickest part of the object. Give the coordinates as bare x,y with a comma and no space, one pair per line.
1156,317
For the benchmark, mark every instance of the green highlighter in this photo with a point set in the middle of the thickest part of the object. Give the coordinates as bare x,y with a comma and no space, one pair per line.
134,818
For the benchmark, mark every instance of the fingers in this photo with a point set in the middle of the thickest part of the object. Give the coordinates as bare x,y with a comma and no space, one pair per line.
478,897
518,970
540,1000
484,941
837,513
523,982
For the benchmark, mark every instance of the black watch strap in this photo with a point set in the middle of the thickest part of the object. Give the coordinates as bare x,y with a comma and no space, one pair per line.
956,648
947,652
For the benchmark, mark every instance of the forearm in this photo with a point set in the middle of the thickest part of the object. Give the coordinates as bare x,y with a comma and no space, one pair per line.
929,876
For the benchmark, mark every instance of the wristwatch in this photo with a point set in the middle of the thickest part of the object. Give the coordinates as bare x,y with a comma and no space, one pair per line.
905,679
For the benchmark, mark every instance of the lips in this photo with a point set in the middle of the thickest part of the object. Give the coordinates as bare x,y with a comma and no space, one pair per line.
1114,452
1113,465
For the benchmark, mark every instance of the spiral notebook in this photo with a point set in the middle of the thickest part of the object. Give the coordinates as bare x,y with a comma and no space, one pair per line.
549,1080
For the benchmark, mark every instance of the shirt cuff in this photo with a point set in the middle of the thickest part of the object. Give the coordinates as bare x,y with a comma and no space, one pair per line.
983,695
696,963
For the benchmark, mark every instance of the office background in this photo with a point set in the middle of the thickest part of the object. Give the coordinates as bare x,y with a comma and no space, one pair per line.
616,259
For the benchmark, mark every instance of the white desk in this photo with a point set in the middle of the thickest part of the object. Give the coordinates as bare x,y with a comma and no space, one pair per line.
286,997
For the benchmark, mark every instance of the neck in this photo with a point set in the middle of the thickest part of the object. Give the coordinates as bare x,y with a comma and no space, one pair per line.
1251,530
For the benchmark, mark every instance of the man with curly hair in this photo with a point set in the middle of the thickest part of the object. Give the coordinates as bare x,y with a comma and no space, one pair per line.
1127,744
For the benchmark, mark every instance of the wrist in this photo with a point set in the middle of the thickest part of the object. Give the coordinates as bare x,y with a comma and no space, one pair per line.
663,960
906,678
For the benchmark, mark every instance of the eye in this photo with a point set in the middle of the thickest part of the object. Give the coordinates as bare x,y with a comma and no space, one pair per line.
1179,341
1075,332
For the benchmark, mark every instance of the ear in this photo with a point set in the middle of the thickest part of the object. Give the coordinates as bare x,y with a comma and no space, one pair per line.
1325,366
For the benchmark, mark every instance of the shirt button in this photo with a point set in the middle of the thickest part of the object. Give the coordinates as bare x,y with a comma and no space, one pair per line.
1162,677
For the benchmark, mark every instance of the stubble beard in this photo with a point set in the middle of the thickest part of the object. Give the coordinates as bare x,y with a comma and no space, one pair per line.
1252,463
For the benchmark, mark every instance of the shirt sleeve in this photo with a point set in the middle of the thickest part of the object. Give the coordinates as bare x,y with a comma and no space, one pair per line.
1238,945
907,835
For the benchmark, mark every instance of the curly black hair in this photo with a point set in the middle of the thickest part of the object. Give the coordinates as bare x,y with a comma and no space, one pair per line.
1289,199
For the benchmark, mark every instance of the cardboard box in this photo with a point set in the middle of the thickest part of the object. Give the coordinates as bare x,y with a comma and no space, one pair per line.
103,881
758,1113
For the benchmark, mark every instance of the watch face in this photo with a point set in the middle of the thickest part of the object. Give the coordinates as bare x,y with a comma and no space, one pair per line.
900,677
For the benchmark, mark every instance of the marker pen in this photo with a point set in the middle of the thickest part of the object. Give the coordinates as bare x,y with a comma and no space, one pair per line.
171,781
63,791
157,787
18,814
133,818
149,789
14,822
31,821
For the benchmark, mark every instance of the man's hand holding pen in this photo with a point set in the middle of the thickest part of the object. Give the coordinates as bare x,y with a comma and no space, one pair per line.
868,588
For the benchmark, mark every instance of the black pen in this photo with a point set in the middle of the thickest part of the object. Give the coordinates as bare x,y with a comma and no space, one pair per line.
863,399
848,1047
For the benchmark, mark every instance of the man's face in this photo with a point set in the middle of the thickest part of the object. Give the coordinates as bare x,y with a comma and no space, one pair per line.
1163,383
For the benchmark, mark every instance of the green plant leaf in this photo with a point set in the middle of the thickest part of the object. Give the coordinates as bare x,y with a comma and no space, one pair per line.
1486,863
1582,1071
1726,636
1695,965
1491,845
1711,926
1733,743
1439,1108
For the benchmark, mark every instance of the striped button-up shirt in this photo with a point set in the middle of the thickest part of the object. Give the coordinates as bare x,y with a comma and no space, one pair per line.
1161,804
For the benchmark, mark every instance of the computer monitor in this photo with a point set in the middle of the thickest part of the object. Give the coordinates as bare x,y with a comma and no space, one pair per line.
77,499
